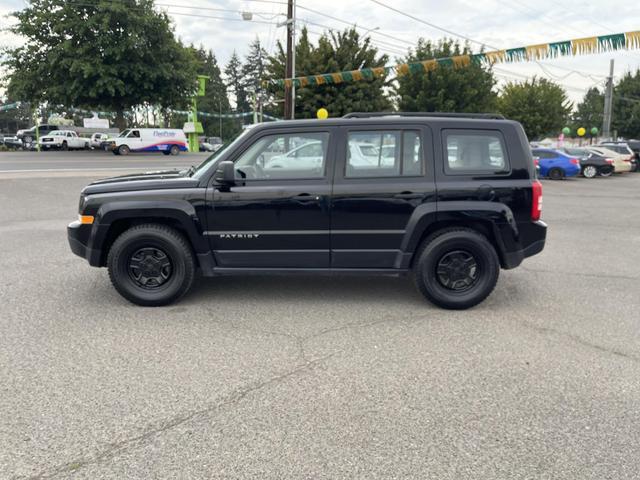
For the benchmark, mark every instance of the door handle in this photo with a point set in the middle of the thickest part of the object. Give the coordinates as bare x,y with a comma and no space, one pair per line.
306,198
408,195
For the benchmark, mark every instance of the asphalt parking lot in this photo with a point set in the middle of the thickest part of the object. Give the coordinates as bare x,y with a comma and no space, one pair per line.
281,377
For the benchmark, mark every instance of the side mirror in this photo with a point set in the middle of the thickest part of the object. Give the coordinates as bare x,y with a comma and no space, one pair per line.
225,174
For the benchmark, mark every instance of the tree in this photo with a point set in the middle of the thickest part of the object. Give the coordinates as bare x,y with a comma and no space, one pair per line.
540,105
589,112
233,72
626,106
100,54
254,68
446,89
335,52
215,100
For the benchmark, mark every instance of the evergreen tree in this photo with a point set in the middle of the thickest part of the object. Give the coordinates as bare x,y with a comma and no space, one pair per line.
336,51
233,73
589,112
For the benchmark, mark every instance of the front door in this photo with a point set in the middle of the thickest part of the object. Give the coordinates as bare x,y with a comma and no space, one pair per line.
383,175
277,214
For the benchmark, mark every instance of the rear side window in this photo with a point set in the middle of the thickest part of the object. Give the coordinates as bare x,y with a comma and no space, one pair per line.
384,154
475,151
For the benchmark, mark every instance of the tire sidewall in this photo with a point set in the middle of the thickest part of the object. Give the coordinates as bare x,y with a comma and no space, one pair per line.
556,174
174,150
118,263
486,260
123,150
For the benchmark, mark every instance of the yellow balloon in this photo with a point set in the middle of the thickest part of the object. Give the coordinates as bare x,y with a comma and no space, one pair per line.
581,131
322,113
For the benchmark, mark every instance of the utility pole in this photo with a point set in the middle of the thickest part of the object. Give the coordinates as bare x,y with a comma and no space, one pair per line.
608,104
290,69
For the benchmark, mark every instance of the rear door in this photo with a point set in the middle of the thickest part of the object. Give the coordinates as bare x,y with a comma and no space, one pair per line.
383,174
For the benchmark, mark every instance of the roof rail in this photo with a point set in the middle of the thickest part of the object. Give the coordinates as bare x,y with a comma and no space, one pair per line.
493,116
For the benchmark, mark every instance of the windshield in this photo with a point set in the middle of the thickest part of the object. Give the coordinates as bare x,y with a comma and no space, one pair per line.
215,155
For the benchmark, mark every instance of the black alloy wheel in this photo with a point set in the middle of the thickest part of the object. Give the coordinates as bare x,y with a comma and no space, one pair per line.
457,270
150,267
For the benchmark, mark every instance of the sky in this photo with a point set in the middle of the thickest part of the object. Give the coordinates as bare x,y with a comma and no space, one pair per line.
218,25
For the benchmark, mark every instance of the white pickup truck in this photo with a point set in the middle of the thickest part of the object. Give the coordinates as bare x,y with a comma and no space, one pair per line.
63,140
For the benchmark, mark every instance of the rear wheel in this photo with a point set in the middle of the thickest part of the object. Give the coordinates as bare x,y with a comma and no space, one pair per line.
64,146
151,265
123,150
556,174
606,171
174,150
456,268
589,171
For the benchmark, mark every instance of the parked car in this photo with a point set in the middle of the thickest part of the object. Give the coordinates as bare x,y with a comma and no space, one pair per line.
621,162
28,136
169,141
12,141
97,139
450,216
592,164
63,140
623,148
556,165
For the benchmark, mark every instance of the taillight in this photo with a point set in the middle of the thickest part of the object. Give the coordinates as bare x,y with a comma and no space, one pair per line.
608,160
575,161
536,203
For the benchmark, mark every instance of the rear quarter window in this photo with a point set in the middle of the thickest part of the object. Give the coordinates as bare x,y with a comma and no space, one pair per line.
475,152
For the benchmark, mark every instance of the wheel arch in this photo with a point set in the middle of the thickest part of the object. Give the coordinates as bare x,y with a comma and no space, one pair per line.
493,220
116,217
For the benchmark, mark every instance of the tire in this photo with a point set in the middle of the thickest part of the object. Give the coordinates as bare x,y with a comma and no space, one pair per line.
123,150
27,140
438,250
170,272
174,150
605,172
590,171
87,146
64,146
115,152
166,152
556,174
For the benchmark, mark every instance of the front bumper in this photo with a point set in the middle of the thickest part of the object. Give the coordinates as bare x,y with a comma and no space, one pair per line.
79,241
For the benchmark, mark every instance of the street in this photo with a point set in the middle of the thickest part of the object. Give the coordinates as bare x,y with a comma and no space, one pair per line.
317,377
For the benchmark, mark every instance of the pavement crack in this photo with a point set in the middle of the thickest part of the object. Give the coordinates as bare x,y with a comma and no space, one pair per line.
113,449
579,274
581,341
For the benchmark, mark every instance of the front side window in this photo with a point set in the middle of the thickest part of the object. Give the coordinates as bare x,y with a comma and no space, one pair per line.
384,154
134,134
475,152
285,156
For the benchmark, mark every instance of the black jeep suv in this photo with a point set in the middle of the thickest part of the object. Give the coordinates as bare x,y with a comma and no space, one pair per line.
448,198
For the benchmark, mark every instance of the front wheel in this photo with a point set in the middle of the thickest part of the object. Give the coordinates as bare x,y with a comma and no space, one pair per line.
589,171
174,150
606,172
456,268
123,150
151,265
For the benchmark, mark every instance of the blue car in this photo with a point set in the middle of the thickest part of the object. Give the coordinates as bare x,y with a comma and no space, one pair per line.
556,165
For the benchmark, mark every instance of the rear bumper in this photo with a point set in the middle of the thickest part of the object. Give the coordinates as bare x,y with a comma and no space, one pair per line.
536,235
